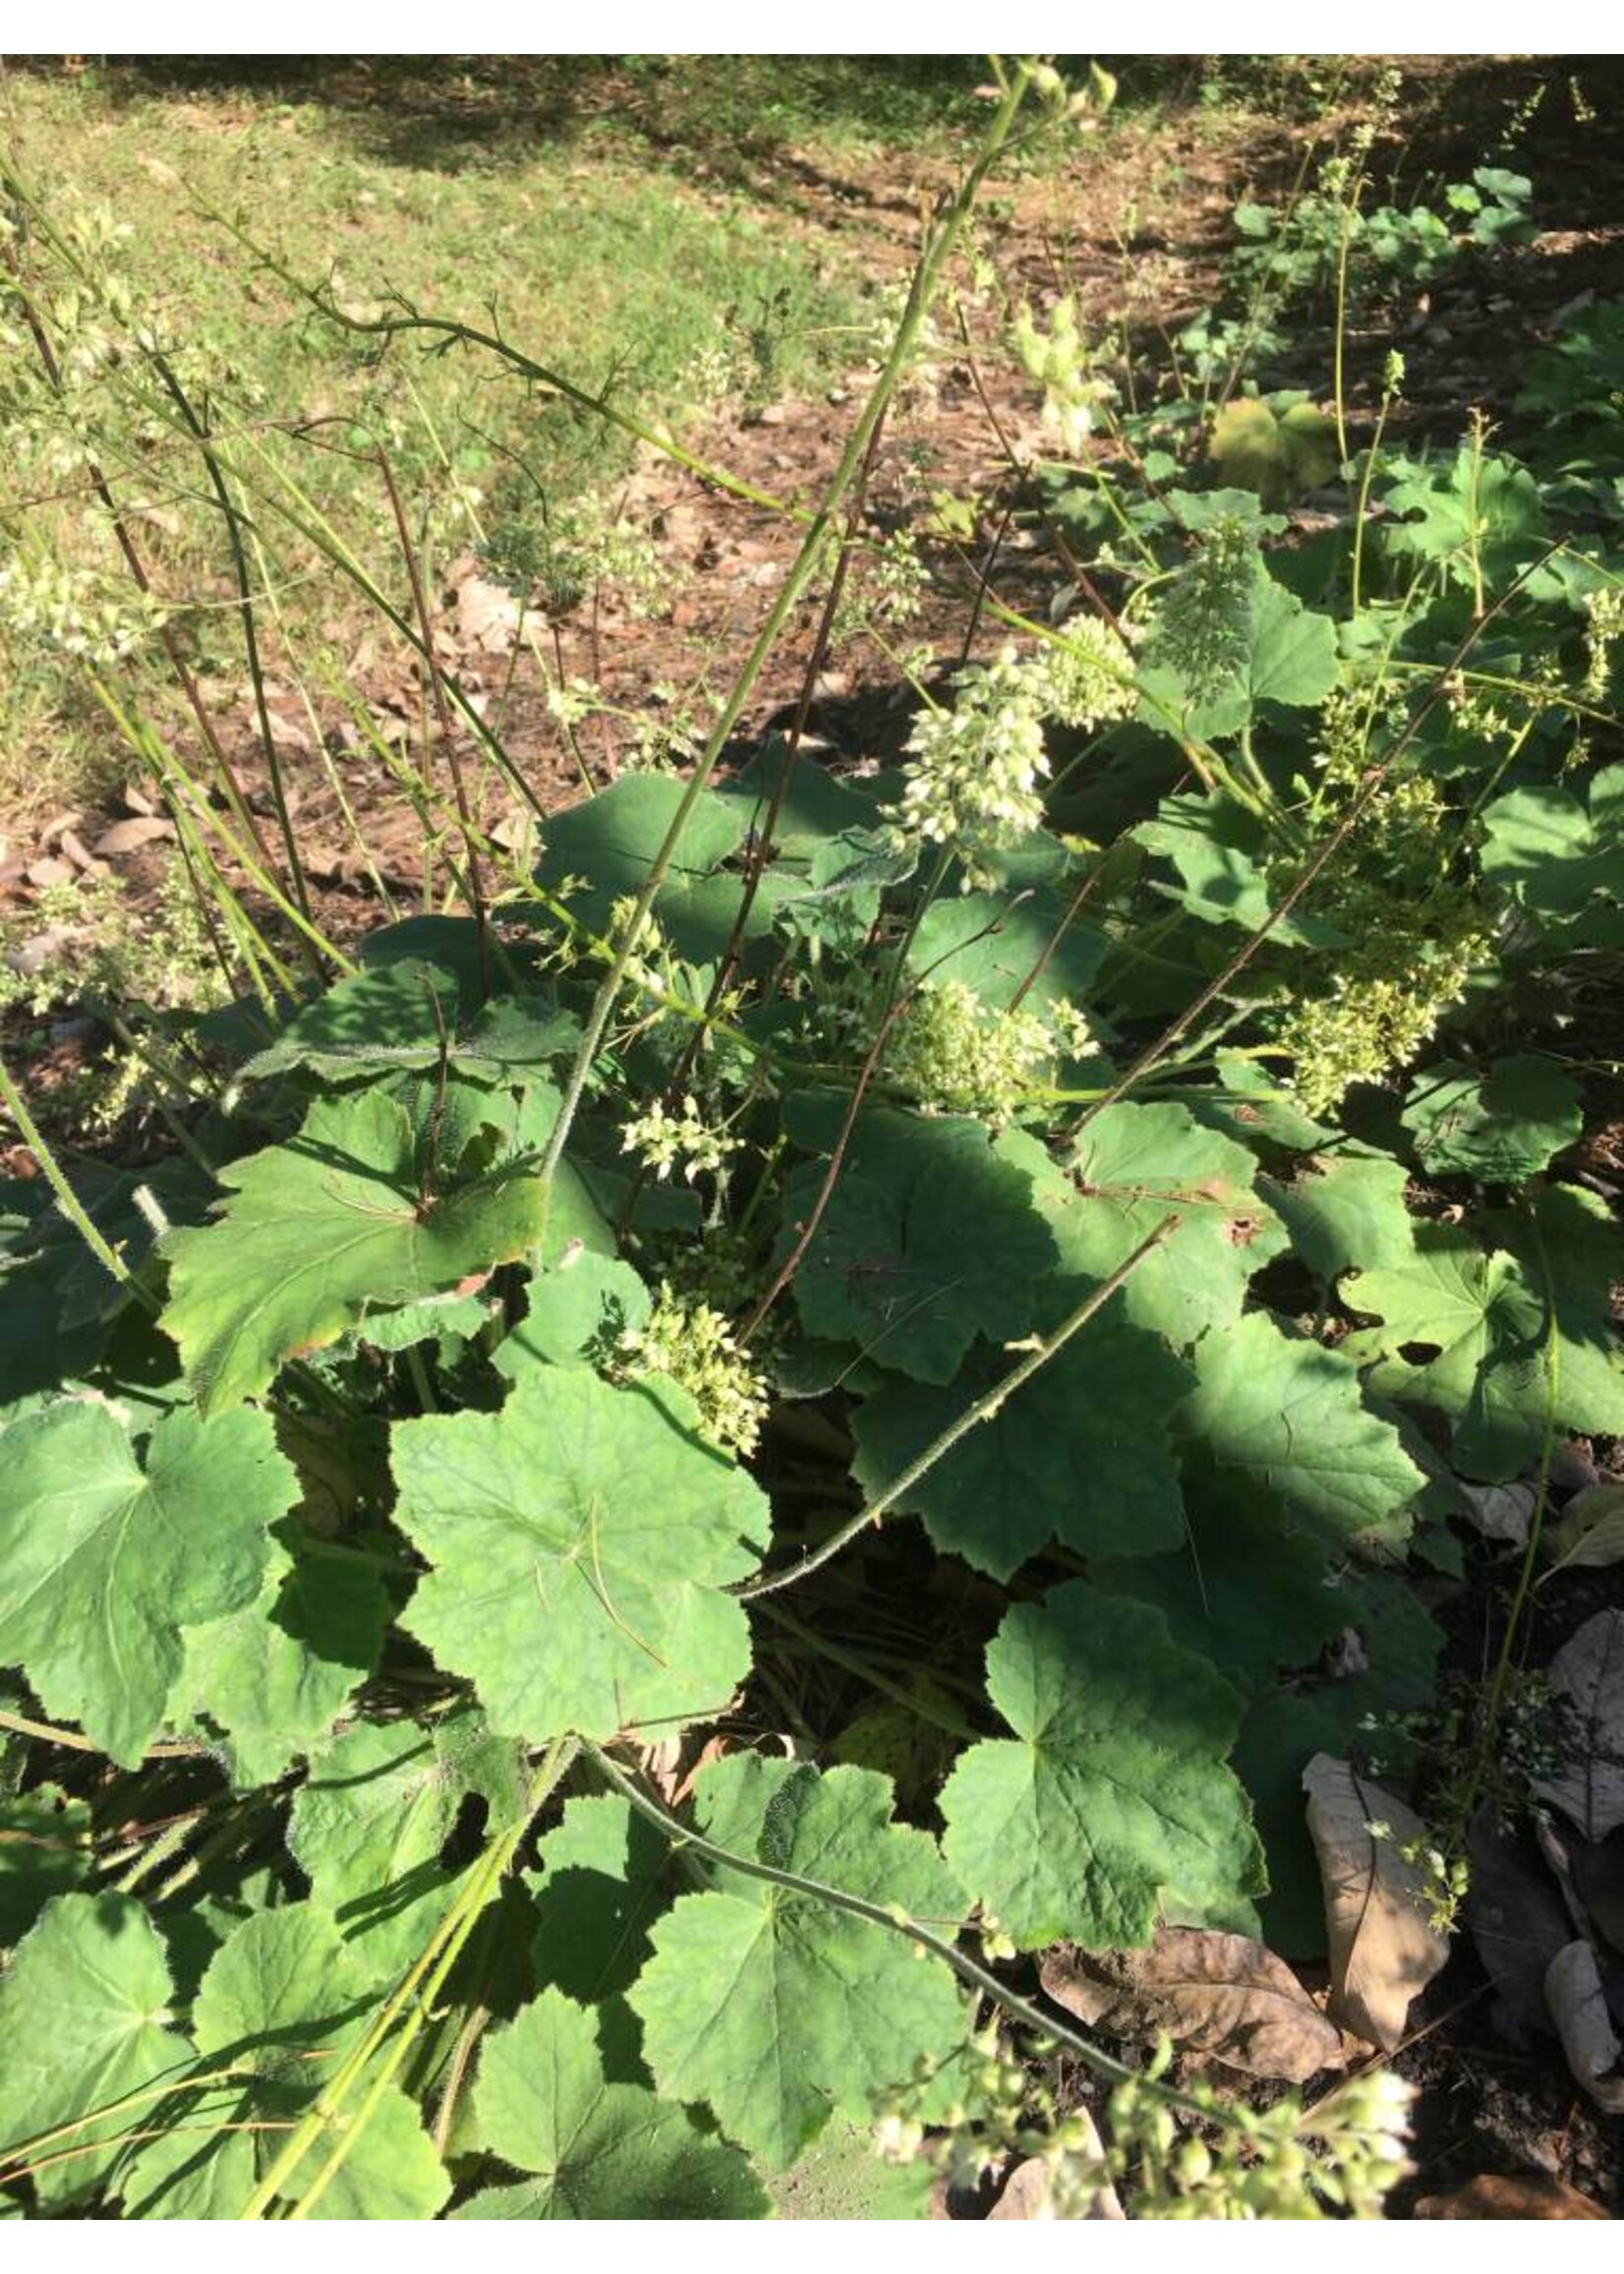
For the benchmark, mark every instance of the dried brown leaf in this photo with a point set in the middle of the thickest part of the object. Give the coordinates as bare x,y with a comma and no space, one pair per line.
1499,1511
1579,2007
1588,1676
1518,1921
129,836
1590,1533
488,617
1211,1993
1029,2192
1516,2195
1383,1948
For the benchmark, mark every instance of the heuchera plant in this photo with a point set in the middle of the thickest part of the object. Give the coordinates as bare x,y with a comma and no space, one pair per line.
919,1260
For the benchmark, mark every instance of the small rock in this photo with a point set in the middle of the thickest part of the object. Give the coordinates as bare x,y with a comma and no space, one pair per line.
44,873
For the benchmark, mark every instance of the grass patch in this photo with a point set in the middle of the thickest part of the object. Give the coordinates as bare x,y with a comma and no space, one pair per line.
571,233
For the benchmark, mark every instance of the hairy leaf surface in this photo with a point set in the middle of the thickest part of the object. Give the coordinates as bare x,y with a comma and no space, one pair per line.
928,1241
103,1559
320,1230
1288,1414
278,2004
1111,1798
772,2005
597,2150
1132,1168
1508,1349
581,1540
84,2021
275,1675
1082,1453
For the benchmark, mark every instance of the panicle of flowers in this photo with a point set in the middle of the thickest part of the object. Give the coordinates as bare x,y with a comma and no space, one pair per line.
973,780
974,771
887,586
73,611
954,1053
647,942
1204,623
570,701
1375,1017
1057,359
1086,675
1284,2162
665,1141
665,737
1605,623
694,1346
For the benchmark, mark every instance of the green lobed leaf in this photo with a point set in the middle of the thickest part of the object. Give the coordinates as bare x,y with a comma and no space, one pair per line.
814,805
581,1540
774,2006
367,1829
1343,1210
280,2001
275,1675
605,1875
1276,455
575,1310
443,1319
410,1012
1243,1588
610,840
1132,1168
1512,1346
1218,850
1288,1413
928,1241
1484,513
1082,1453
1502,1126
999,948
104,1558
84,2021
597,2150
1111,1803
45,1851
1557,854
320,1230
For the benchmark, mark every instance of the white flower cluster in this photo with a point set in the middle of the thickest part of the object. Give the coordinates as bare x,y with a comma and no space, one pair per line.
1058,360
954,1053
73,611
665,1141
974,776
1605,611
1087,675
1205,623
694,1347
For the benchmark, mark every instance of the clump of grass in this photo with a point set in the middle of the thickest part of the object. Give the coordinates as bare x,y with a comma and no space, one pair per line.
646,291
